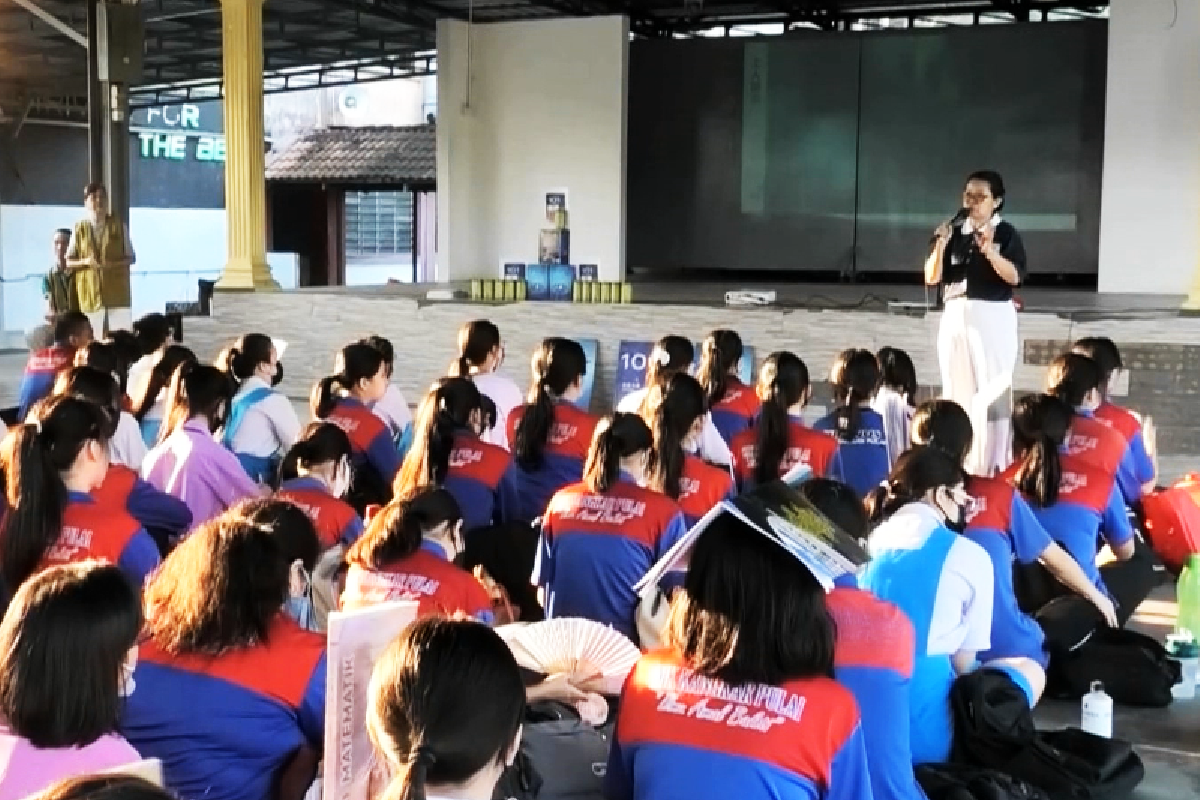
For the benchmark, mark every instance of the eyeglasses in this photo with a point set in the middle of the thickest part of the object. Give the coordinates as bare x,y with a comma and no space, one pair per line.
973,197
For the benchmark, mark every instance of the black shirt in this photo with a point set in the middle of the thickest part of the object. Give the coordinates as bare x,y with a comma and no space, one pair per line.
963,261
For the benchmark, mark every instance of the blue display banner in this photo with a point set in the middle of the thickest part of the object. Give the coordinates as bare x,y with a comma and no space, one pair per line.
632,360
591,348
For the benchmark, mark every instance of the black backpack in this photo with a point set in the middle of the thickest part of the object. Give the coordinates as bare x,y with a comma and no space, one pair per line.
561,757
959,782
993,729
1135,669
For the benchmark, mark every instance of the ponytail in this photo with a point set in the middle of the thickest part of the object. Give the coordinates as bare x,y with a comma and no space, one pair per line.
618,437
476,341
782,383
160,378
671,355
410,784
460,367
721,353
557,365
917,471
319,443
196,390
396,531
673,408
451,405
855,377
358,361
1040,426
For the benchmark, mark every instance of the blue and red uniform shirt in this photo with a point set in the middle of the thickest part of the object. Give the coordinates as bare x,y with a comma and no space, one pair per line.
563,458
595,547
874,656
1004,525
154,509
1137,466
701,487
41,370
223,726
816,449
370,438
863,462
336,522
438,586
684,736
484,481
736,410
92,530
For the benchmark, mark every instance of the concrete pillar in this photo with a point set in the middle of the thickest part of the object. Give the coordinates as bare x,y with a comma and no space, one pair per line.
245,159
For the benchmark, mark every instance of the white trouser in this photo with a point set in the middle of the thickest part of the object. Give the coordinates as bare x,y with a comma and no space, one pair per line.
977,353
119,319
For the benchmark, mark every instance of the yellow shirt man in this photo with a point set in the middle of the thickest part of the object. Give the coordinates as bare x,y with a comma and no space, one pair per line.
100,254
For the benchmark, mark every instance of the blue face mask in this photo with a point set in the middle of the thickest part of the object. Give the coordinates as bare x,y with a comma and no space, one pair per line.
301,610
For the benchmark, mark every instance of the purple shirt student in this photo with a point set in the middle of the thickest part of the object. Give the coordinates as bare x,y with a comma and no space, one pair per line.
25,769
194,467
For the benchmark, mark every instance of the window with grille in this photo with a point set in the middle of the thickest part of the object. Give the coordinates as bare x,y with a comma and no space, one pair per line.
378,223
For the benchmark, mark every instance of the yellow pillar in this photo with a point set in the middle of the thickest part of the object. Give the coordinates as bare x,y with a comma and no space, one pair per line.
245,160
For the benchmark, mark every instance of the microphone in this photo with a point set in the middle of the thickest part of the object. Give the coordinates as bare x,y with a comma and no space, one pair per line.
958,219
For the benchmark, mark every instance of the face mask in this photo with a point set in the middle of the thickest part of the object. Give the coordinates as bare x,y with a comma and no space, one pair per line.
300,609
955,513
341,480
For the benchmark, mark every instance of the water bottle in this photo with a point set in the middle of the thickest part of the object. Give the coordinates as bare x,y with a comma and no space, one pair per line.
1097,717
1188,594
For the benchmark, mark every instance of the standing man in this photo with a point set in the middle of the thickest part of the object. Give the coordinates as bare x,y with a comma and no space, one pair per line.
101,254
58,287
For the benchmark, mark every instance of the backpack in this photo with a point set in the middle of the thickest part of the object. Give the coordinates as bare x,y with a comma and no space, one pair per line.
1172,521
993,729
959,782
1135,669
561,757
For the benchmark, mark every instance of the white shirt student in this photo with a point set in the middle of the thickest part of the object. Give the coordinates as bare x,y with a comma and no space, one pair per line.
393,409
711,446
127,446
504,392
269,427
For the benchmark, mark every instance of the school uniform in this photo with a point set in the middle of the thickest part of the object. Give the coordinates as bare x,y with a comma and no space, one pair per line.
335,520
897,417
163,516
701,487
502,391
862,462
977,339
370,438
817,450
127,447
683,736
41,370
710,446
484,480
152,422
873,658
223,726
736,410
428,577
192,466
1004,525
262,425
943,584
595,547
563,457
91,530
1137,468
393,409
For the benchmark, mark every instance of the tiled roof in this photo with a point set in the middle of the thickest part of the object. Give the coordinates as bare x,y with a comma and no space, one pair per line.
368,155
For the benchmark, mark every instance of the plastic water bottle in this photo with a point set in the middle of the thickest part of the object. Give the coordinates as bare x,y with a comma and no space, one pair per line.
1187,592
1182,647
1097,717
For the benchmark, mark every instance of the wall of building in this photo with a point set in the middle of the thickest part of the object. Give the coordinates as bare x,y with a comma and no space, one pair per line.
1151,200
527,108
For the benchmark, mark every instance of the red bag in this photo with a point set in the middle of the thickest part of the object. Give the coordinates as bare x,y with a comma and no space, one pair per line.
1173,521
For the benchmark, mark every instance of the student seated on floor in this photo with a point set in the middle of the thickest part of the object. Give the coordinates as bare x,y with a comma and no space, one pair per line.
862,458
72,331
732,404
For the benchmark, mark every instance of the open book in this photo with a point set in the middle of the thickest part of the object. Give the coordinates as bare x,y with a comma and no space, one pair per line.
781,514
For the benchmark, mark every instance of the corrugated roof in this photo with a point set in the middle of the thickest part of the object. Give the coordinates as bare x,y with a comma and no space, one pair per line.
368,155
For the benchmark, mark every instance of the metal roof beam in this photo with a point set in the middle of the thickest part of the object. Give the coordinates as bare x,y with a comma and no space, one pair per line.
54,22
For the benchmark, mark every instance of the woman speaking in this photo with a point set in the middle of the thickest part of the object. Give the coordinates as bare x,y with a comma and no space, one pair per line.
977,259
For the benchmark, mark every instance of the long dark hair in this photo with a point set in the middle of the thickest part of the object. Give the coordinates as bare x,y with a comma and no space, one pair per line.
319,443
557,365
782,383
421,720
196,389
670,356
1071,377
288,523
673,406
396,531
152,332
896,370
33,456
945,425
106,357
917,472
358,361
476,341
855,377
243,358
617,437
1040,425
63,643
92,385
1104,352
720,353
446,409
175,356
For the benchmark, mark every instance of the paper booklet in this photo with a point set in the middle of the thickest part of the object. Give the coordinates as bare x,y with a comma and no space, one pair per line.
356,641
783,515
149,769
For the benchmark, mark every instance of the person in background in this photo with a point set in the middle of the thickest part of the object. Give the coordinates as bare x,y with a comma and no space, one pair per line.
670,356
149,399
298,541
110,786
779,440
896,399
68,646
58,287
675,412
732,404
434,739
153,333
100,254
392,408
315,475
601,535
229,688
262,425
862,440
408,553
51,464
750,623
72,331
941,581
345,399
480,356
126,447
873,655
1140,464
106,356
448,452
188,463
550,435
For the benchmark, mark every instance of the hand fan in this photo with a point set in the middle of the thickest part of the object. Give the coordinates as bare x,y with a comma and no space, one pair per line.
580,647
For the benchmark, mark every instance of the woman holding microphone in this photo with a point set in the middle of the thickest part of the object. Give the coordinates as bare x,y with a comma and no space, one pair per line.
977,259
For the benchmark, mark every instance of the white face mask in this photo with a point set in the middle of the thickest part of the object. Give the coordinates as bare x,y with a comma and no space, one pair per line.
128,684
341,480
